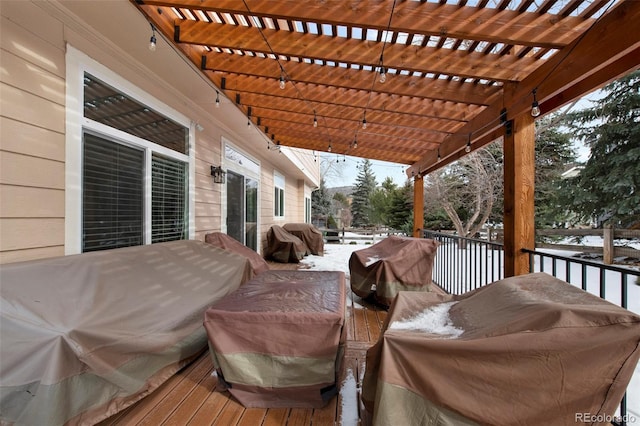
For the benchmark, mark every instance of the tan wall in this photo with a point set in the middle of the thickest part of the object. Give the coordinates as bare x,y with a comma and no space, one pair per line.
32,125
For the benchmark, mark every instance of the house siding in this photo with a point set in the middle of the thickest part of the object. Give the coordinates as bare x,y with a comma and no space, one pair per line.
32,145
33,117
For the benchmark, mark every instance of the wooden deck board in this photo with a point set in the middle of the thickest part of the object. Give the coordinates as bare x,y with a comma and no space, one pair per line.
190,398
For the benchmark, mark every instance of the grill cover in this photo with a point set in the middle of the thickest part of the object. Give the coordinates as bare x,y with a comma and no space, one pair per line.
534,351
278,340
392,265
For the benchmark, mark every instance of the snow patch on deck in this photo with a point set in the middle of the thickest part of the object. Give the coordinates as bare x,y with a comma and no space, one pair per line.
433,320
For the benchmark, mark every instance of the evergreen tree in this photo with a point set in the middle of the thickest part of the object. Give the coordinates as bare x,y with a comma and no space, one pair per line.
554,151
607,187
401,208
380,201
364,187
320,204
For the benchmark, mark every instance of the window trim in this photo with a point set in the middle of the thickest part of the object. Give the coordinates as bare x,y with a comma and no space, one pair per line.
77,63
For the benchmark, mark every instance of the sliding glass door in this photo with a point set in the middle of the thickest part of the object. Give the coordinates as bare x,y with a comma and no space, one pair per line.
242,209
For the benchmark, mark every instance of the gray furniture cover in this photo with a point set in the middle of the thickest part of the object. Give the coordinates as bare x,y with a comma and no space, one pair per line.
84,336
278,340
529,350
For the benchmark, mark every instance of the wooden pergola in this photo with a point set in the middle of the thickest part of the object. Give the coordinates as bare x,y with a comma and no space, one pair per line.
420,83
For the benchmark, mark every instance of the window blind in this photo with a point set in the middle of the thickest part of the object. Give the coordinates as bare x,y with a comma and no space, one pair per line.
168,199
112,201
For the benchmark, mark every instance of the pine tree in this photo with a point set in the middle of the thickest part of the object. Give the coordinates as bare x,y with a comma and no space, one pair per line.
320,204
380,201
401,208
364,187
554,151
607,187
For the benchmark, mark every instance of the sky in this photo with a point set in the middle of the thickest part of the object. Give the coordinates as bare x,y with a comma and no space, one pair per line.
347,170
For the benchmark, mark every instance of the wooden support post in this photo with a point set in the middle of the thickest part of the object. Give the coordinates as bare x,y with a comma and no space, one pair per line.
418,206
607,246
519,185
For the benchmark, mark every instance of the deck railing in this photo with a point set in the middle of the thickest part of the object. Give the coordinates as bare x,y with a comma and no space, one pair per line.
464,264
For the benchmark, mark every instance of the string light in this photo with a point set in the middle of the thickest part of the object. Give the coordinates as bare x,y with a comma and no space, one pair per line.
152,40
217,99
364,120
329,148
315,119
439,158
467,149
355,143
535,108
383,75
282,81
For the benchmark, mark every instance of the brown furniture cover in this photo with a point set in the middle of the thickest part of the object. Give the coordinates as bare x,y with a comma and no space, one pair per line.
226,242
309,234
284,247
278,340
85,336
392,265
534,350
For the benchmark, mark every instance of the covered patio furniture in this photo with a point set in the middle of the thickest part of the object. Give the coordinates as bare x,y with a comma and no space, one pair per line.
527,350
309,234
278,341
85,336
392,265
284,247
224,241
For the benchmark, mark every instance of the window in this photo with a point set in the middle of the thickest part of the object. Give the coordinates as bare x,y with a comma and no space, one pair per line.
278,199
114,192
112,208
307,209
129,166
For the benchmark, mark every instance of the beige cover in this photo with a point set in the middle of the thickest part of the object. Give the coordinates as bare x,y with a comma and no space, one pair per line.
226,242
284,247
278,340
535,351
309,234
392,265
84,336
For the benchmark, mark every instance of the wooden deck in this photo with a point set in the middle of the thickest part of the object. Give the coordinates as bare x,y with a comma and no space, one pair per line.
189,397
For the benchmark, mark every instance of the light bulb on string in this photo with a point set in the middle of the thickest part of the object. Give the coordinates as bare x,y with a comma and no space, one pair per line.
467,149
535,108
217,99
282,81
152,40
383,75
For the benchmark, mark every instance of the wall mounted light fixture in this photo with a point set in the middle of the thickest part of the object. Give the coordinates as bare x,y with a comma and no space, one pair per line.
219,175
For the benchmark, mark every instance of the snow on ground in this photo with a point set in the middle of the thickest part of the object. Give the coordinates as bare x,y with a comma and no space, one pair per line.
336,258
